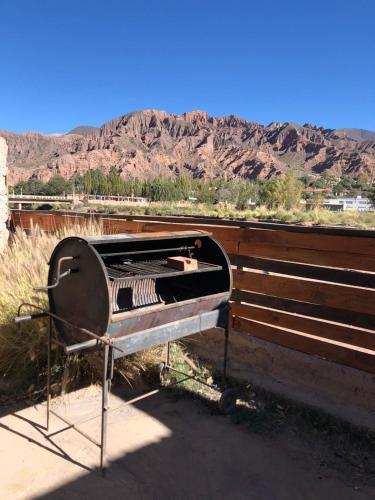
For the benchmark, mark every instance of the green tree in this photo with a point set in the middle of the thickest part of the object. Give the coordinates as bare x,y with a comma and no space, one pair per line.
184,186
292,190
87,182
247,190
371,195
325,181
114,182
205,192
270,193
31,186
78,184
363,181
57,186
316,200
282,191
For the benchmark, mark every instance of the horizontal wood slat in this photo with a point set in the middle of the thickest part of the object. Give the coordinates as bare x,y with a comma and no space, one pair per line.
266,224
343,276
307,256
317,292
231,234
114,226
242,223
227,236
321,242
347,355
360,320
318,328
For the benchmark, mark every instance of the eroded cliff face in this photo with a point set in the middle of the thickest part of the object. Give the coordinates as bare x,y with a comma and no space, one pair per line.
151,143
3,195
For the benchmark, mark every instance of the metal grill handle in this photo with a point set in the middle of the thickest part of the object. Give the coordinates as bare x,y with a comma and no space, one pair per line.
59,276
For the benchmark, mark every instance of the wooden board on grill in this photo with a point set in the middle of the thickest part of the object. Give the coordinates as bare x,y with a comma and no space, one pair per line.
182,263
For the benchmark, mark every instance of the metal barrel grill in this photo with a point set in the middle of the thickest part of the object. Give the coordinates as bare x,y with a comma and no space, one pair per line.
124,293
122,284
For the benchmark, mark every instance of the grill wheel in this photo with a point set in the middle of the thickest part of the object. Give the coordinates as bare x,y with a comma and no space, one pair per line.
228,401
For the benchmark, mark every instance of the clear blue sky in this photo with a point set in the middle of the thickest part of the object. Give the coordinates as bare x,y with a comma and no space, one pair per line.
74,62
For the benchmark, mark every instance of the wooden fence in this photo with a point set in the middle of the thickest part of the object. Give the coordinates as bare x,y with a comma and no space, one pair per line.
311,289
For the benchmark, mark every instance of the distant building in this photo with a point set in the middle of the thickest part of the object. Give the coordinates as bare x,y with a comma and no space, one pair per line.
250,203
340,203
316,190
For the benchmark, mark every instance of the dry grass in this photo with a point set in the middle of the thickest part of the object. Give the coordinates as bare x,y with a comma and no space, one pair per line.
23,265
361,220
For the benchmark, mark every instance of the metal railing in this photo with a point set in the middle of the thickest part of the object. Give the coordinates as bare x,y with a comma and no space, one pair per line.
76,197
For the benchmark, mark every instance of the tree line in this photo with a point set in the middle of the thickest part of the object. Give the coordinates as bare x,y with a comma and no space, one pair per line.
281,191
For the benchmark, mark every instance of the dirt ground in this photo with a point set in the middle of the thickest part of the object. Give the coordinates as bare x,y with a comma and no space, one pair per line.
167,446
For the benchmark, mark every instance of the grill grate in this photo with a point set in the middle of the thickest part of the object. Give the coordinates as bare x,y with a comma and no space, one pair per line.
152,269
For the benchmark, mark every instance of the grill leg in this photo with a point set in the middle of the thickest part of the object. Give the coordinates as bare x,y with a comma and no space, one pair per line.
49,342
168,354
107,375
226,337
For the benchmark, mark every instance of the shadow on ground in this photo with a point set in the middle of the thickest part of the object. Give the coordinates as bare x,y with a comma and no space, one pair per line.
168,446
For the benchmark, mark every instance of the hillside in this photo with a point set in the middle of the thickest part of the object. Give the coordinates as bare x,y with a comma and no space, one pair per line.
151,143
85,130
359,134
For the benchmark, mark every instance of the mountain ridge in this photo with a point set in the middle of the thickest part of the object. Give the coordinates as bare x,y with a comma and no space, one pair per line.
359,134
150,143
85,130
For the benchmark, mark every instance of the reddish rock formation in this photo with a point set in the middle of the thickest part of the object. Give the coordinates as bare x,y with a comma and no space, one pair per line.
4,210
151,143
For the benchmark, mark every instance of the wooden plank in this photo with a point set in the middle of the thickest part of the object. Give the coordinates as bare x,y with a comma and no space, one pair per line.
226,236
314,241
269,225
355,357
115,226
24,221
265,224
16,220
306,256
318,328
317,292
221,233
47,222
343,276
361,320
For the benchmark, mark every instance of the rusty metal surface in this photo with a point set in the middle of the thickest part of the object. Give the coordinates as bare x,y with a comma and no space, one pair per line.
125,237
120,293
141,340
138,320
82,298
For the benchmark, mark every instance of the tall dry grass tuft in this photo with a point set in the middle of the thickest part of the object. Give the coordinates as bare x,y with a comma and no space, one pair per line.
23,356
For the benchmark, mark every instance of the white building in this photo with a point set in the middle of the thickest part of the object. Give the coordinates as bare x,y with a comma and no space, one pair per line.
340,203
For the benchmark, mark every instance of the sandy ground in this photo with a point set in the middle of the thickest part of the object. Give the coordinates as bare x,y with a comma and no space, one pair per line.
162,447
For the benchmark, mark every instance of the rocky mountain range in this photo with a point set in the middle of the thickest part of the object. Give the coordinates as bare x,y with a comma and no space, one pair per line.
151,143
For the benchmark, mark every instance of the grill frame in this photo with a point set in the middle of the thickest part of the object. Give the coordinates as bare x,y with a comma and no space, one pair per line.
122,333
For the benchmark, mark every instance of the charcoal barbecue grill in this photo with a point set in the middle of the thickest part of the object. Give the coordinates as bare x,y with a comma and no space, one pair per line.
120,294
